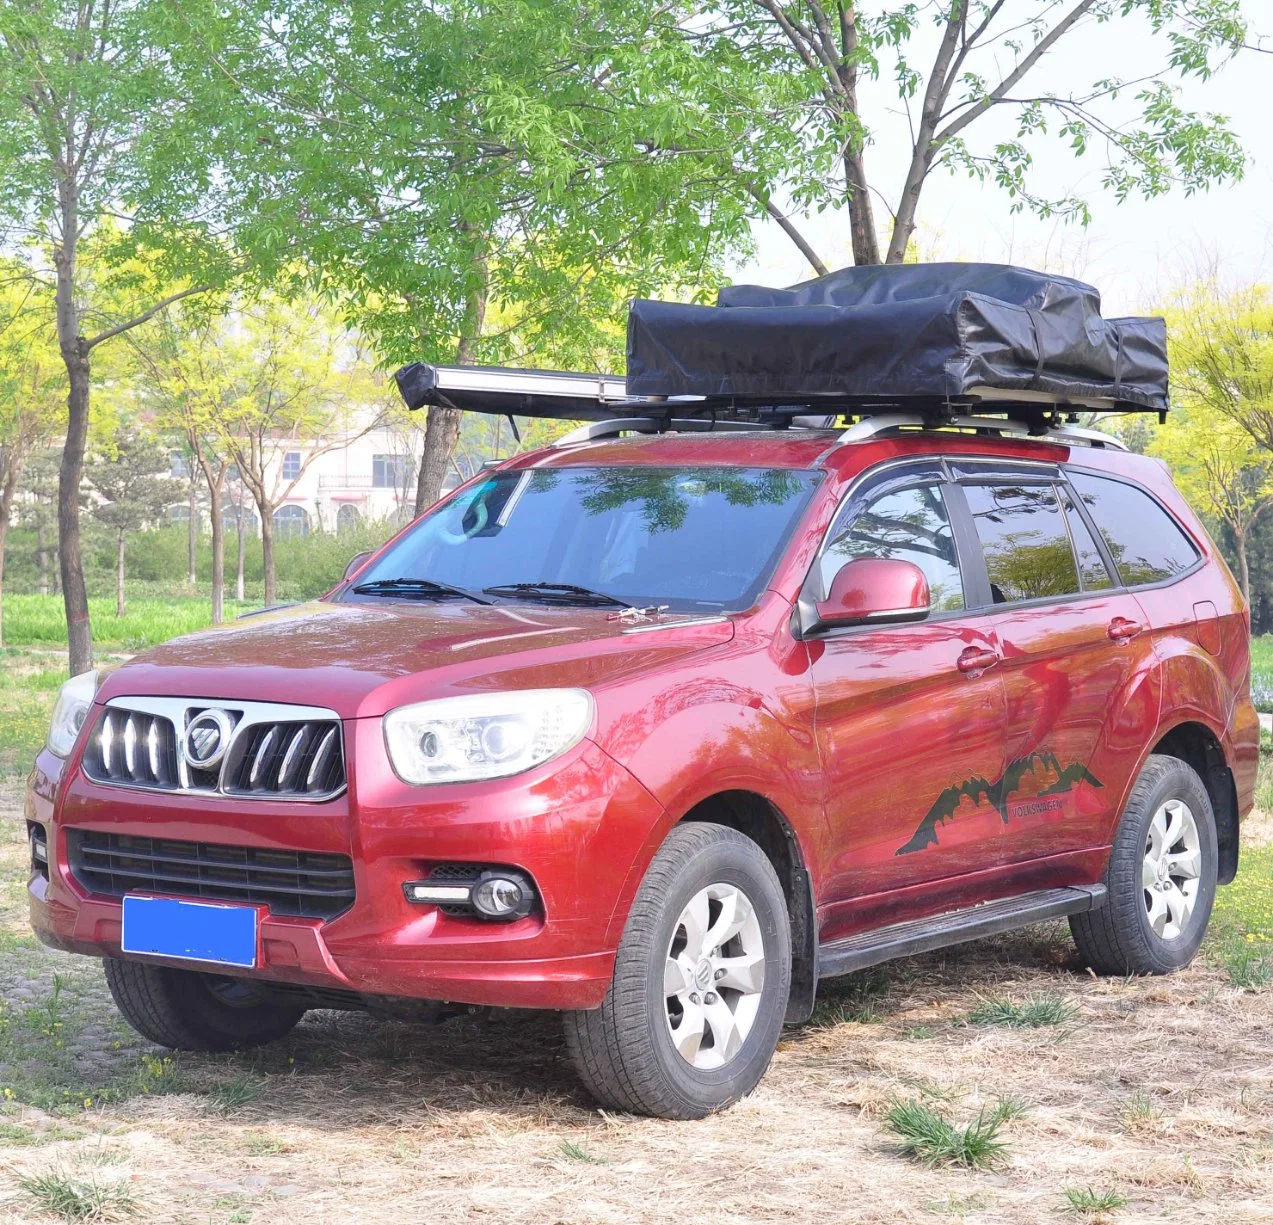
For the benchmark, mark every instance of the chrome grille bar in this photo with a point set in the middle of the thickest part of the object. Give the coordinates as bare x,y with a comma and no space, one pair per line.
274,750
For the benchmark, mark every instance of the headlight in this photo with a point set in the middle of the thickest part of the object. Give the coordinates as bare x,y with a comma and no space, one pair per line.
74,701
487,735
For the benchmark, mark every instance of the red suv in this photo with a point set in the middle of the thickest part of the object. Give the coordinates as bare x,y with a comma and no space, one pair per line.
659,731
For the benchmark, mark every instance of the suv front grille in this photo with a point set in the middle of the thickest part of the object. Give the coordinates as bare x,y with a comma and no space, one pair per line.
259,750
311,884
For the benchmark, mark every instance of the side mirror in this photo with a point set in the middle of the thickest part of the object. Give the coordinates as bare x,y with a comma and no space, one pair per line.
875,591
355,564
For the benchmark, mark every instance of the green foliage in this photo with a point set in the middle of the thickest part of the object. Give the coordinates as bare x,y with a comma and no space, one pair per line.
926,1134
1034,1013
126,476
854,998
1087,1202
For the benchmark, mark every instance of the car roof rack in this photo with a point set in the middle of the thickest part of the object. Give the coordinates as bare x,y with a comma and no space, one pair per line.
602,402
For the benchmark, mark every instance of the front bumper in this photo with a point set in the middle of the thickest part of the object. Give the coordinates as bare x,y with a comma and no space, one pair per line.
578,826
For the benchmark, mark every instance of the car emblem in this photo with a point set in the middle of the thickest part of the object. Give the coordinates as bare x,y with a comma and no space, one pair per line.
206,738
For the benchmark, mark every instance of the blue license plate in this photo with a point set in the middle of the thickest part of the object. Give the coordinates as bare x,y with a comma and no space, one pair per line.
195,931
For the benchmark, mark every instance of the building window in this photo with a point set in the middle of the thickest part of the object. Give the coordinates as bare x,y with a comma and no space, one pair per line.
347,518
291,465
291,521
179,514
388,471
178,465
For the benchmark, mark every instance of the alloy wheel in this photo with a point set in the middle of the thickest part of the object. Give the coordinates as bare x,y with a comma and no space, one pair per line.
1172,868
713,976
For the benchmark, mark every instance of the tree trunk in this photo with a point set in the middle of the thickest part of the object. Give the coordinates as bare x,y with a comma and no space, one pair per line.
238,581
11,478
1244,568
192,532
42,558
866,243
267,553
443,427
79,634
218,553
120,608
441,433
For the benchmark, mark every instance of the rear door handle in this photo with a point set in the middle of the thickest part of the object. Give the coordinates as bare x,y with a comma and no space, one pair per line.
973,660
1121,629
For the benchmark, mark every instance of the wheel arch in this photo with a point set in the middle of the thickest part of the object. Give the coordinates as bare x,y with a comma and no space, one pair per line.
1200,748
756,817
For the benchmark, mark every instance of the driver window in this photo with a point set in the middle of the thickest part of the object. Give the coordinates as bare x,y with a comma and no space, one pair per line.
906,524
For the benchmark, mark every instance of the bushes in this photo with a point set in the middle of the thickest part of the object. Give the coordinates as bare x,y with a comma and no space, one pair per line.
155,562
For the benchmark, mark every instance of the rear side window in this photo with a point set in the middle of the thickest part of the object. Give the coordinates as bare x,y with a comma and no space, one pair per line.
1091,568
908,524
1025,541
1146,543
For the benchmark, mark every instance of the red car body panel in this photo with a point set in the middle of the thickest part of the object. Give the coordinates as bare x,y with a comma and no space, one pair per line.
850,738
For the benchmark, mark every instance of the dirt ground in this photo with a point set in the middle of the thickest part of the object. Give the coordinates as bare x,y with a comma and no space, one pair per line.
1157,1092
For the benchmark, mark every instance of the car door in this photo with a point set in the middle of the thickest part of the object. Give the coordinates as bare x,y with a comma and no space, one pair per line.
910,717
1072,653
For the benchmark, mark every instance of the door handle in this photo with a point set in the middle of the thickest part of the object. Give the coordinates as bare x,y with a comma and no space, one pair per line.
1121,629
974,660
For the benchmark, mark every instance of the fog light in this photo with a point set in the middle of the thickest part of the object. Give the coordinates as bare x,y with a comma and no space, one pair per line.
503,895
39,849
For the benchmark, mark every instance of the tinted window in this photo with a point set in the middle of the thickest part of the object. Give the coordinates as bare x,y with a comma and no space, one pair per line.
691,538
1091,568
1023,536
1145,541
910,524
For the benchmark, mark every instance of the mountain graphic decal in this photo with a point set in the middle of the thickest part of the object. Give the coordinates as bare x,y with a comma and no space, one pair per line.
999,794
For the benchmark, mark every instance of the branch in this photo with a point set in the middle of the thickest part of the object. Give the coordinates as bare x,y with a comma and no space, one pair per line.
144,316
791,232
1037,52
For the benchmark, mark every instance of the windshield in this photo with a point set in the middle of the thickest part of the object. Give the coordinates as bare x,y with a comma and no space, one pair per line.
691,538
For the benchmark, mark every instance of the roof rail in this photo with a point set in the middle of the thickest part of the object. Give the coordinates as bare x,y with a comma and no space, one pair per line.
593,430
869,427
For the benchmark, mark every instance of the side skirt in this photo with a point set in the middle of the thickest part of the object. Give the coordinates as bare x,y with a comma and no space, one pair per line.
954,927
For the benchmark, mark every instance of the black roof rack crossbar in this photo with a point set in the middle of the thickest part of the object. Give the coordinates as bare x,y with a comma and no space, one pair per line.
603,397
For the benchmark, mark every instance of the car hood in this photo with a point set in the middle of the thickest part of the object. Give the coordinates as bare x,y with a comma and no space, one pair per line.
361,660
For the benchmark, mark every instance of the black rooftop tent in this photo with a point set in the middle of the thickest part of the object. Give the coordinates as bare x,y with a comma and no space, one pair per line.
930,338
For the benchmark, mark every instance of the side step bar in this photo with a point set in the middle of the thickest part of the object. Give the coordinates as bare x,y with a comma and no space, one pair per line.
954,927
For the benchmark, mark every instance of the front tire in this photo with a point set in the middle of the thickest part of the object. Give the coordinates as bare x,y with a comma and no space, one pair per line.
1161,878
696,1005
189,1011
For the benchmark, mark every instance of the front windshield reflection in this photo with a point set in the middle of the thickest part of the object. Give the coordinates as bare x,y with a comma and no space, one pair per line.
694,538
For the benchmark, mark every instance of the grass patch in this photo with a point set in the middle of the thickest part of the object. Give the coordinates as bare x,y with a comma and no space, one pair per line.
929,1136
1138,1112
41,619
231,1094
575,1153
1086,1202
855,997
78,1199
1034,1013
17,1135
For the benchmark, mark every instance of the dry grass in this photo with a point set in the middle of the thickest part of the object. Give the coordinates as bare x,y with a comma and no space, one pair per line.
1153,1102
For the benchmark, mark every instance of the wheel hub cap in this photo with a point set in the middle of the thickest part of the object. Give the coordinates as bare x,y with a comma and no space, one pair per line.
713,976
1172,867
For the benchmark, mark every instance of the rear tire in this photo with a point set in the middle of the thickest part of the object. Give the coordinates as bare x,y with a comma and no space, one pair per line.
189,1011
696,1005
1161,878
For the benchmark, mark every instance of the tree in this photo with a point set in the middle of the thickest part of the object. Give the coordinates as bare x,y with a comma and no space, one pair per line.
134,487
957,63
481,182
38,512
30,388
1223,472
286,379
84,93
1221,351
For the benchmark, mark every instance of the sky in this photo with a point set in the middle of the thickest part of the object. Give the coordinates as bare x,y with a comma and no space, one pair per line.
1135,253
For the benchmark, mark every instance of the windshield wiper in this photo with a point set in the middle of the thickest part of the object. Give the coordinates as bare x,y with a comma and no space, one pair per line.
558,593
423,587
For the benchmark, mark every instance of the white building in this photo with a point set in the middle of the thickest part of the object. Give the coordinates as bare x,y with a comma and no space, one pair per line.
330,483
